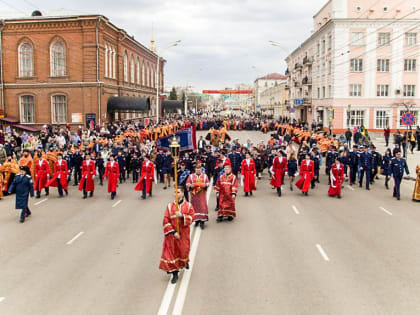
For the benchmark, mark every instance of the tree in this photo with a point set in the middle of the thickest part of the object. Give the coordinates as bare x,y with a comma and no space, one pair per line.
172,95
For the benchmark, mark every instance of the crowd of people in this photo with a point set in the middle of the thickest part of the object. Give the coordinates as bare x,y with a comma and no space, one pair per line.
127,151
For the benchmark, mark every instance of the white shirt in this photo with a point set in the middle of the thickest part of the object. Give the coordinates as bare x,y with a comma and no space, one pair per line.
59,164
308,162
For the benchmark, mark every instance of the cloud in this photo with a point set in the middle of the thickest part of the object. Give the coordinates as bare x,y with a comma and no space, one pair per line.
224,42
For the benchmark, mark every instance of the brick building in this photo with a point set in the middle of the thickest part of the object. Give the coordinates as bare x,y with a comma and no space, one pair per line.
64,69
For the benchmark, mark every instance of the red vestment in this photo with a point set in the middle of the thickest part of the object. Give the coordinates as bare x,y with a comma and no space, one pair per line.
248,172
306,174
42,169
226,161
337,177
278,170
175,253
226,186
88,171
60,172
147,173
113,174
197,186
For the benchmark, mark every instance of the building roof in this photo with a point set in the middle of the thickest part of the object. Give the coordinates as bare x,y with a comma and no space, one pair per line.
273,76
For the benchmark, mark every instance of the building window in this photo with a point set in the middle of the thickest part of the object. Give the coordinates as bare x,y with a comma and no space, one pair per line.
356,65
409,90
329,91
143,75
114,64
323,46
384,39
58,59
138,71
323,92
382,119
357,118
319,93
383,65
106,60
132,70
27,109
147,75
357,39
318,48
414,112
329,67
410,65
382,90
125,67
59,109
355,90
410,39
25,60
329,42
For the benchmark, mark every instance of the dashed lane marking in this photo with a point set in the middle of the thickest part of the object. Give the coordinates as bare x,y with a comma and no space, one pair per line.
2,298
41,201
322,252
116,204
349,187
75,238
386,211
295,210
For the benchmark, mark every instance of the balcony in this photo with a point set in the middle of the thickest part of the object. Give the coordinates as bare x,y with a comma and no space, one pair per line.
307,81
307,61
307,100
287,87
298,66
297,84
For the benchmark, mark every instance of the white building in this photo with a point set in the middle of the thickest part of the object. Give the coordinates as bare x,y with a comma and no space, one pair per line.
264,83
273,100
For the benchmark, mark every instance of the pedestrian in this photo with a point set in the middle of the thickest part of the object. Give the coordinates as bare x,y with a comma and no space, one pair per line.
197,185
42,174
176,229
349,135
416,193
59,178
386,161
145,183
76,163
121,160
292,169
366,164
112,173
306,174
88,175
166,169
387,133
337,177
99,162
248,174
278,171
23,187
226,189
398,166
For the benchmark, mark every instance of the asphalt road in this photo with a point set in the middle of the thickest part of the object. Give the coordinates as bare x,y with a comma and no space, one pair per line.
288,255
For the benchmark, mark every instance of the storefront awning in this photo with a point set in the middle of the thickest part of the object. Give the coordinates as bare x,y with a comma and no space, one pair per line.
9,120
26,128
172,106
128,104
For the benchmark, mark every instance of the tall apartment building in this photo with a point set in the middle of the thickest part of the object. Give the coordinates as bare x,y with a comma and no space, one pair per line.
64,68
359,66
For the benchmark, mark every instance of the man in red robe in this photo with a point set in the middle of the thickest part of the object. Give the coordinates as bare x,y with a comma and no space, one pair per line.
307,173
42,174
278,169
112,172
337,177
226,189
59,179
248,173
197,185
176,242
88,175
145,184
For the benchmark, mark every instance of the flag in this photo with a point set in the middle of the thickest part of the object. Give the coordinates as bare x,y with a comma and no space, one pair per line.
185,138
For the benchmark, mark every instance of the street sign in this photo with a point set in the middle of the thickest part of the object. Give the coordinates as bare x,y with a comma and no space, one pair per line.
298,101
408,119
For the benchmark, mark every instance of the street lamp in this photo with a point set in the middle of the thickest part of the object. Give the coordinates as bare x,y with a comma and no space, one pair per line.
175,148
158,77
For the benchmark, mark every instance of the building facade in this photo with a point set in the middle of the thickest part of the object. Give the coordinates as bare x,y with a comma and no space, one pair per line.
359,67
264,83
273,100
63,69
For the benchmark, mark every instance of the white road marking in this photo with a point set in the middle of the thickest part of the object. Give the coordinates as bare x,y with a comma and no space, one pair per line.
41,201
2,298
116,204
75,238
386,211
321,251
349,187
170,289
295,210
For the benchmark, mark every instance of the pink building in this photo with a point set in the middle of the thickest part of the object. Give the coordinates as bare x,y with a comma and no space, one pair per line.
360,65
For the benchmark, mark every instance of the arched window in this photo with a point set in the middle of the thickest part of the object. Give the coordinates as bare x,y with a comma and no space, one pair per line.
125,67
58,59
143,75
114,64
59,109
26,68
27,109
132,69
138,71
106,61
147,75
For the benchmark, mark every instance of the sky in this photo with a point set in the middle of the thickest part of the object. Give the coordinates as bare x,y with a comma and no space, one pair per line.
223,42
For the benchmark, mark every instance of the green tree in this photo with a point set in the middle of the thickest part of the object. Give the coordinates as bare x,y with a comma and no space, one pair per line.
172,95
